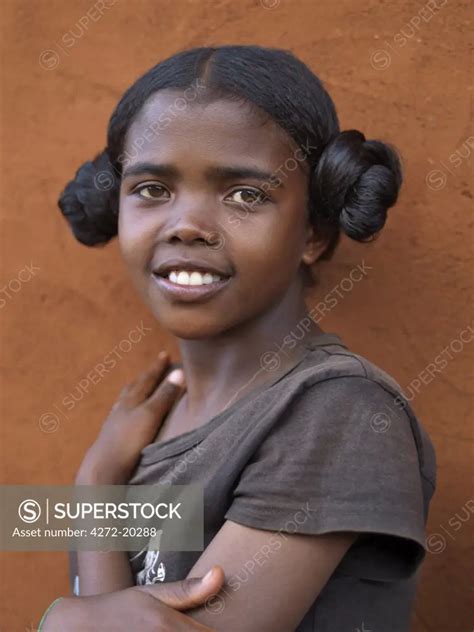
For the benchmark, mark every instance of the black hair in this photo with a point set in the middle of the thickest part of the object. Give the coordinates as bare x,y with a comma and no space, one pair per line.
352,181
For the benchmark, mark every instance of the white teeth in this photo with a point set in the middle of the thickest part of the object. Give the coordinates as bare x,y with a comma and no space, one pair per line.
182,278
192,278
209,278
196,278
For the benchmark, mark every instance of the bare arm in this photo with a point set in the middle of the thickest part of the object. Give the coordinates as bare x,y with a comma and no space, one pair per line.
131,609
101,572
271,578
132,424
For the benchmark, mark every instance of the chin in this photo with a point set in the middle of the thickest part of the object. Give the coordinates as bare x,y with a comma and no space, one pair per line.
189,327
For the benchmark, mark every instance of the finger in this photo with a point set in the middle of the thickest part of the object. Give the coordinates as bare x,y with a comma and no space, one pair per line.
136,392
165,395
190,592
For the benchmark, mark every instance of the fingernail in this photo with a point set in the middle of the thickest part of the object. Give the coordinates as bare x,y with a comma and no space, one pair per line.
176,377
162,355
208,575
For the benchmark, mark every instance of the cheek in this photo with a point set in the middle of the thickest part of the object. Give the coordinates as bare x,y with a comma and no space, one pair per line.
269,256
276,244
135,242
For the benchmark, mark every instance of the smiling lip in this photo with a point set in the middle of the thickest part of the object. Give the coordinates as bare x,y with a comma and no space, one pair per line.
189,293
182,263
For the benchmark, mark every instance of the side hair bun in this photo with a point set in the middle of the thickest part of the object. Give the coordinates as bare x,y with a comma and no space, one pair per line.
355,182
90,202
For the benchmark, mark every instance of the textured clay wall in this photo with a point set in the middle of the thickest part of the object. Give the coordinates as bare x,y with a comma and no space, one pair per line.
399,71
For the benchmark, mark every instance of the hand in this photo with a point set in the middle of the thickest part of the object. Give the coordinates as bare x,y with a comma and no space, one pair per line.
144,608
132,423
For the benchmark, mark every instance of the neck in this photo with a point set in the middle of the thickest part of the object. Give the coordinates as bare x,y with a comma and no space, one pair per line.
222,368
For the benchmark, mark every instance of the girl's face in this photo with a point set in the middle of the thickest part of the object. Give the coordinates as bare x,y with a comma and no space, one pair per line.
225,187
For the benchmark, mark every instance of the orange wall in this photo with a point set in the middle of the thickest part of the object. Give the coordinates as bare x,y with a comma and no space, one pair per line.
406,84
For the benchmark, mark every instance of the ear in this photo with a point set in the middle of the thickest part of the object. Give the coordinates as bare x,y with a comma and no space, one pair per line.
313,246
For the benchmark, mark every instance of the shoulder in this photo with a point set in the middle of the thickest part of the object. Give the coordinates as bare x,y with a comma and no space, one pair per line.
336,361
338,393
332,376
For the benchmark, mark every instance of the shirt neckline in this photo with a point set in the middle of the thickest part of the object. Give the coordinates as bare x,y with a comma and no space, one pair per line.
157,451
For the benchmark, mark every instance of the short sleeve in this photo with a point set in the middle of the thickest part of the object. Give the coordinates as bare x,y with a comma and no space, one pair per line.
341,458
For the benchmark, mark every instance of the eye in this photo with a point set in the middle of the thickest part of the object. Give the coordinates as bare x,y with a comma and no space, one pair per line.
249,196
151,192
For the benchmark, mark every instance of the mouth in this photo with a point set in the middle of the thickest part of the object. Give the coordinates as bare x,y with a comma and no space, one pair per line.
190,285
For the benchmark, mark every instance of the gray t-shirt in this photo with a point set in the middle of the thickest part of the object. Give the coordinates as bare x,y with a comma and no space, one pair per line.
330,445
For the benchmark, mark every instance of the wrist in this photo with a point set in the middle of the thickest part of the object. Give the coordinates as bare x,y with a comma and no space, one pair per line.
96,476
96,470
65,614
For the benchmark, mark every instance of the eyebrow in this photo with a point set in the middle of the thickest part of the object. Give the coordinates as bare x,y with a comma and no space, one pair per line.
216,174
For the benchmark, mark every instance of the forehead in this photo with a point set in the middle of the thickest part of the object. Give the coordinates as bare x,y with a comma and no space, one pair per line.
169,125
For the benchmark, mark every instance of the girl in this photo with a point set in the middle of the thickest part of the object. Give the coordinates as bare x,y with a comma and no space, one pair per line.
227,178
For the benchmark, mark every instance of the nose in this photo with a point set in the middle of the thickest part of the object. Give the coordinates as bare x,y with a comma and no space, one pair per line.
188,234
190,223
